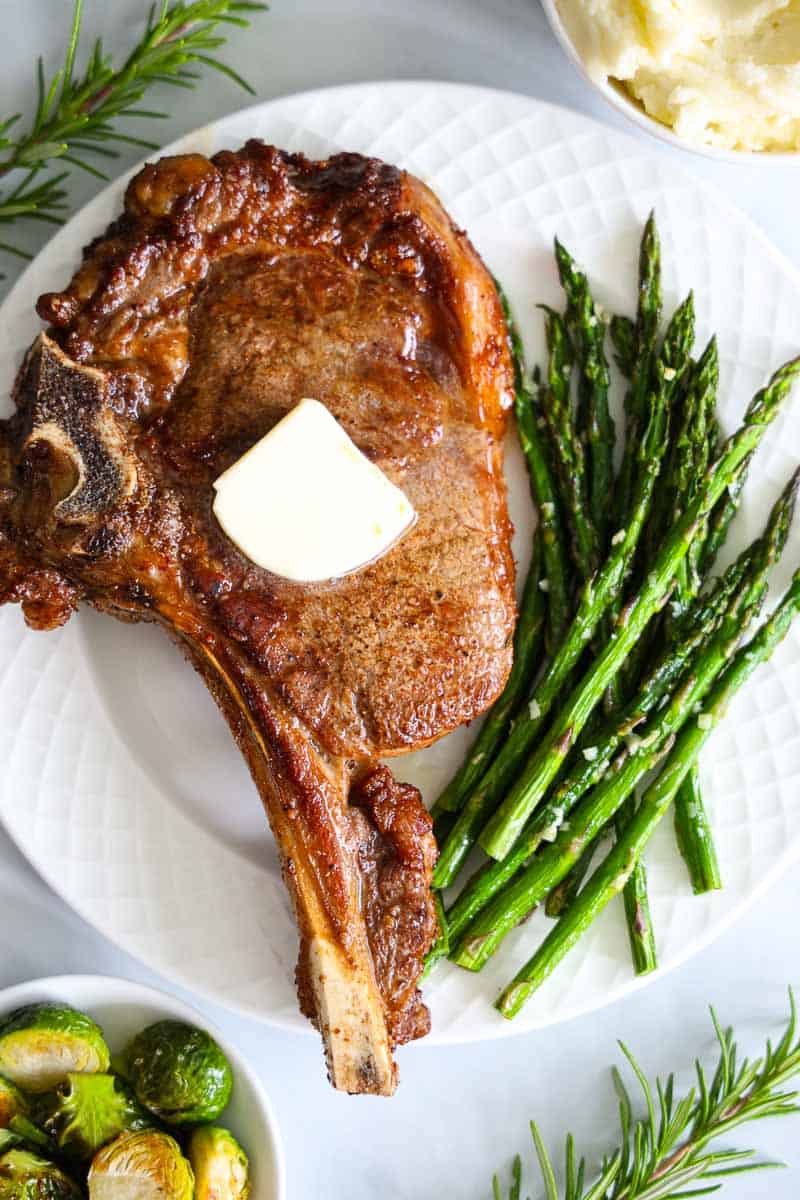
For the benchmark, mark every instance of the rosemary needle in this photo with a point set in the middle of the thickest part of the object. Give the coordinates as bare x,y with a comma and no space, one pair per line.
667,1153
77,114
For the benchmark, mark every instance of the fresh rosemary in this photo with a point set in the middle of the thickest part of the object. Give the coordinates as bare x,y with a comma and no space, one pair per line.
667,1153
77,114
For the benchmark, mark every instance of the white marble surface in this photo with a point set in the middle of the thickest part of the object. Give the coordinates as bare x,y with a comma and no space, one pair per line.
460,1112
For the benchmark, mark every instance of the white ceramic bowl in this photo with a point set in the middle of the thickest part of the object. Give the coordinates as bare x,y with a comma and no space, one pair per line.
123,1008
630,108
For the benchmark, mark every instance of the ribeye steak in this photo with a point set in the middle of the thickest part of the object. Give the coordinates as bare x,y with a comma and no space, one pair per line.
228,290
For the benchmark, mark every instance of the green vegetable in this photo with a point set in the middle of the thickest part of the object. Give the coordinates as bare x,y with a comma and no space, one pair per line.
624,341
147,1165
31,1137
612,874
689,461
667,1153
548,868
26,1176
555,556
528,407
42,1043
636,898
638,362
89,1110
179,1073
508,820
673,367
12,1102
221,1169
596,595
587,334
567,449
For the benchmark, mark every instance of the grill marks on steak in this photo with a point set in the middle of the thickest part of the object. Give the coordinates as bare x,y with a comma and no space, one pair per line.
228,290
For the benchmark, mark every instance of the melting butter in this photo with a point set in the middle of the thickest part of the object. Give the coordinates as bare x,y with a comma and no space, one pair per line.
306,504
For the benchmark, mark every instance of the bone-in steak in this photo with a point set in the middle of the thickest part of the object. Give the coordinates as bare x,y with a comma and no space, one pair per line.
228,290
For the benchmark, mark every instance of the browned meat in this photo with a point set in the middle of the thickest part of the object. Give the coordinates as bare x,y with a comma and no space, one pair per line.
228,290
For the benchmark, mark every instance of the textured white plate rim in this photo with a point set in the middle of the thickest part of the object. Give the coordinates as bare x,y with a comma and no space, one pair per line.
116,986
640,117
477,90
721,923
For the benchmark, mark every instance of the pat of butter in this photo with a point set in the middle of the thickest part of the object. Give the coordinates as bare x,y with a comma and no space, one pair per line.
306,504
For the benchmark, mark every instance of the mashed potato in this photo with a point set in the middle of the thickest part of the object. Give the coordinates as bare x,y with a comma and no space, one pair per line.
722,72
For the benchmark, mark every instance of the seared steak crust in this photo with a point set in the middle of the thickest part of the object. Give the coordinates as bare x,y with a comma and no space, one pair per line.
229,289
397,854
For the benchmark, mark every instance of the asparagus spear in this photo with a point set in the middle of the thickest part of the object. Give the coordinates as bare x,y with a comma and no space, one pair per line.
674,362
694,835
611,875
686,465
671,368
746,581
721,516
543,487
648,315
565,892
528,639
635,896
692,825
547,870
567,449
705,383
596,596
696,629
504,826
587,334
693,828
624,341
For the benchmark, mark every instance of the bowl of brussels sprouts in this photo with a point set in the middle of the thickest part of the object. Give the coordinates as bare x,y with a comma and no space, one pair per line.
119,1091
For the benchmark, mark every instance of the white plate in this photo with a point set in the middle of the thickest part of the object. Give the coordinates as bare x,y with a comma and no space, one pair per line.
122,1009
120,781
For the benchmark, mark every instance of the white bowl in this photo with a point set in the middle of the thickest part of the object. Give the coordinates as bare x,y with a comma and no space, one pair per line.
622,102
122,1009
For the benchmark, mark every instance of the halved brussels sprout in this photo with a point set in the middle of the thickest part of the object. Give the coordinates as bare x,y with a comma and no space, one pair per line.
179,1073
221,1169
41,1043
12,1102
26,1176
87,1111
147,1165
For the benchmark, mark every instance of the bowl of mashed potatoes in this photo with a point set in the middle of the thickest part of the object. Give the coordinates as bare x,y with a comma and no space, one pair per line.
718,76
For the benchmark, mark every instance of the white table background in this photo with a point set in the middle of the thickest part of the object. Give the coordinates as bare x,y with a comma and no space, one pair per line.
460,1112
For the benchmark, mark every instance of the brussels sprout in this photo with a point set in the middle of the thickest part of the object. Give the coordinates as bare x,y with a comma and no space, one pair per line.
179,1073
41,1043
26,1176
89,1110
32,1137
12,1102
147,1165
221,1169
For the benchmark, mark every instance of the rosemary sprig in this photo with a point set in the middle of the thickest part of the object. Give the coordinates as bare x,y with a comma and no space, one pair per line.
667,1153
77,114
